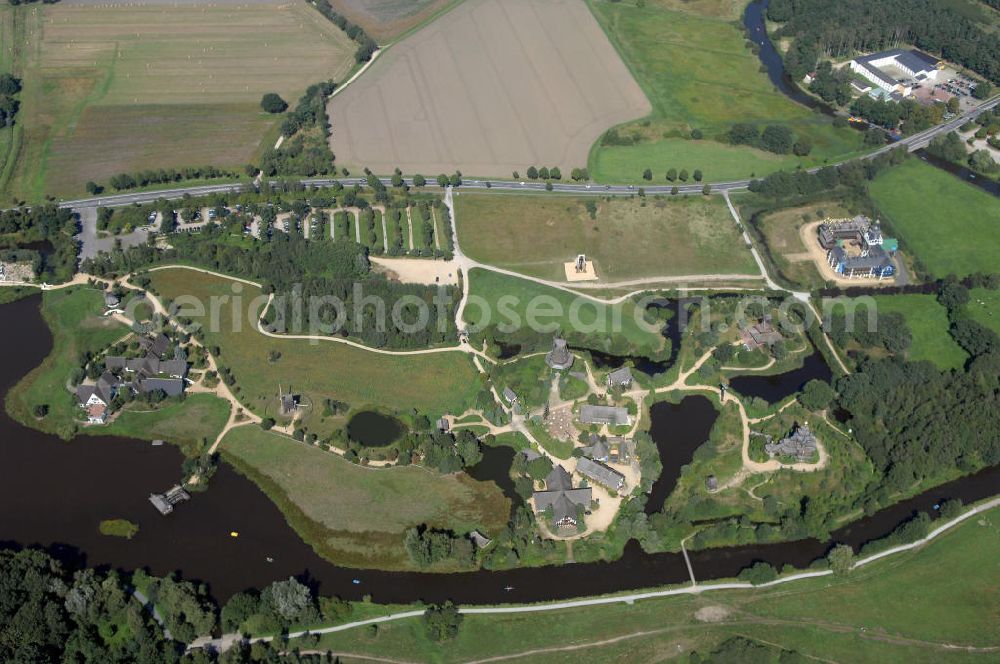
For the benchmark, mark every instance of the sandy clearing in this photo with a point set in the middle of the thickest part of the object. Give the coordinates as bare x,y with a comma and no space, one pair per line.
818,254
492,87
416,270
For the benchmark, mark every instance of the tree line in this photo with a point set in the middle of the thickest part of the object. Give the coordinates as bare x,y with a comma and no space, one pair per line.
779,139
366,45
852,174
839,28
307,153
10,86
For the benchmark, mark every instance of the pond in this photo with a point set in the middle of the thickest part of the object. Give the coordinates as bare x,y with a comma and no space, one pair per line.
55,493
678,430
777,387
373,429
495,467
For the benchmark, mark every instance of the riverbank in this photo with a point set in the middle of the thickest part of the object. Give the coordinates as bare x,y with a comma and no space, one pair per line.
885,604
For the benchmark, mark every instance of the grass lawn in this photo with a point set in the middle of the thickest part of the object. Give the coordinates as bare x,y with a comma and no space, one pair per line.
497,299
74,316
928,322
897,601
949,225
114,88
984,306
200,417
693,63
628,239
354,515
432,384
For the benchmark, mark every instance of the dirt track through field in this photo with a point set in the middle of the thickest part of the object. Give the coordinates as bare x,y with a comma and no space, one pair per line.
492,87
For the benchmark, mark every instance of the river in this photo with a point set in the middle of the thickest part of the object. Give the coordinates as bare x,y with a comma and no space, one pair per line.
55,493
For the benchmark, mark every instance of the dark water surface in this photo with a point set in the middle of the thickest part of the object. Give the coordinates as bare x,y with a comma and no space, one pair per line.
373,429
54,494
678,430
777,387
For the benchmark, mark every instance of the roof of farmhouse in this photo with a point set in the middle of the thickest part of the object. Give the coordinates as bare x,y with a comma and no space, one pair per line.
603,415
599,473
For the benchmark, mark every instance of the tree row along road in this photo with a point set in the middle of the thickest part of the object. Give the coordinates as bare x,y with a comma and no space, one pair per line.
914,142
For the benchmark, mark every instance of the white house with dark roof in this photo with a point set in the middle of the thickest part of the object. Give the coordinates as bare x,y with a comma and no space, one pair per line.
897,71
96,399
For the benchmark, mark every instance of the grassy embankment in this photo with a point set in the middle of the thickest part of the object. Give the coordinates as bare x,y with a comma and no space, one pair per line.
122,88
950,226
357,516
888,611
520,297
433,383
695,67
626,239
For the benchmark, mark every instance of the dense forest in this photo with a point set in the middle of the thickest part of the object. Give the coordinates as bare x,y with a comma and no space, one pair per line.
841,28
43,223
49,613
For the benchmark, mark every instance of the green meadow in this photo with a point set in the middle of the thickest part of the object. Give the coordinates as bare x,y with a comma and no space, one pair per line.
698,72
950,226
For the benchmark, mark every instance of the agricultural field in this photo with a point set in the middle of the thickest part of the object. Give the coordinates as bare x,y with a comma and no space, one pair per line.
949,226
888,611
386,20
928,323
491,87
626,238
357,516
74,317
498,299
698,72
433,383
124,87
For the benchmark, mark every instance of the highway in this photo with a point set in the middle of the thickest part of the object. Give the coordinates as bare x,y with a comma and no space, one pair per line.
914,142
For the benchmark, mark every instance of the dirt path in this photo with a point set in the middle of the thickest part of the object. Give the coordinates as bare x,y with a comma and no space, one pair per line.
437,230
409,223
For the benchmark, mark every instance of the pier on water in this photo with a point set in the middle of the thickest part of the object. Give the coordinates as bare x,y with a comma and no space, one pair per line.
165,502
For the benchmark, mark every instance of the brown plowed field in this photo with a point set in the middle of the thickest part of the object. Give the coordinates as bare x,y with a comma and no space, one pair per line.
492,87
386,19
